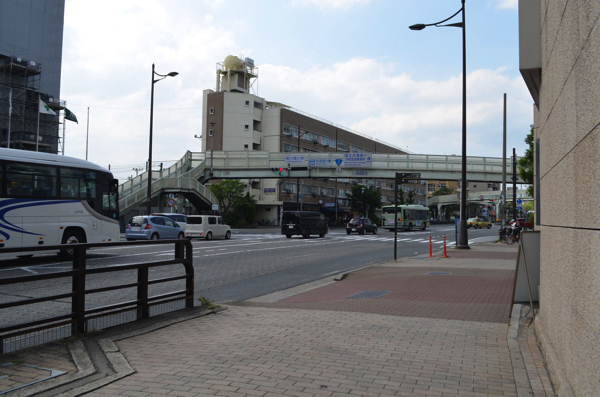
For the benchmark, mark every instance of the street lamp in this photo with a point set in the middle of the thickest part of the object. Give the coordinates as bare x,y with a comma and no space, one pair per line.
463,238
161,77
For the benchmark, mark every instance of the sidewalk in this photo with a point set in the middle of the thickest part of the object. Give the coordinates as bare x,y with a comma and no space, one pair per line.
419,326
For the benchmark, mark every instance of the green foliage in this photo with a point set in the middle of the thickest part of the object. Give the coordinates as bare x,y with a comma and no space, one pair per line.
526,163
236,206
410,200
364,200
227,192
245,208
443,191
401,200
375,219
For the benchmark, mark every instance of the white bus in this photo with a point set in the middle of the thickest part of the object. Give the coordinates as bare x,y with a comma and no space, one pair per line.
47,199
409,217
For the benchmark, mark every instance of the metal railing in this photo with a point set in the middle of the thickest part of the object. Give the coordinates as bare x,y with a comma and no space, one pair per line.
79,316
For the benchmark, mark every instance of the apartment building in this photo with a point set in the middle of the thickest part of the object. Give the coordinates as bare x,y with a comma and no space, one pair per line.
234,118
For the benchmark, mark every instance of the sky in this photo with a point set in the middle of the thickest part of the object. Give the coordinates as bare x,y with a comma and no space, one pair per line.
351,62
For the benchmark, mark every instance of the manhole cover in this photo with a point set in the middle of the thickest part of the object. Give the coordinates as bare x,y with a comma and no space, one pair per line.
369,295
438,274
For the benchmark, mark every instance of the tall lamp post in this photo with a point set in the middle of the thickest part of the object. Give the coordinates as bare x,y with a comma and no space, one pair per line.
161,77
463,238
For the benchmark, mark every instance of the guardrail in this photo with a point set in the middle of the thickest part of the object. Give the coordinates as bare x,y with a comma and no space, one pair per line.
80,316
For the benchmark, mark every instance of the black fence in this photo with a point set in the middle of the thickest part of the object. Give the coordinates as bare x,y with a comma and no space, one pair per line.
79,318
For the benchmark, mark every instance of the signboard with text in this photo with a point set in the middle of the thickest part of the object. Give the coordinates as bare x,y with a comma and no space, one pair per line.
358,160
297,159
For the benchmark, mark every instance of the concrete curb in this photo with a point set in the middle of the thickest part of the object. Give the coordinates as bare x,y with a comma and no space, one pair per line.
522,383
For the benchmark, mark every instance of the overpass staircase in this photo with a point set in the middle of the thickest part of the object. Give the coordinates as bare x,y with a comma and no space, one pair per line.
182,177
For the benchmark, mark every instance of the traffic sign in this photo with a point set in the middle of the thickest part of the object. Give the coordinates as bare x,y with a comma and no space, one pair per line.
519,201
171,202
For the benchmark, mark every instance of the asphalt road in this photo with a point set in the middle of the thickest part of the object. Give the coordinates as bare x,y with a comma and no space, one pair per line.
253,262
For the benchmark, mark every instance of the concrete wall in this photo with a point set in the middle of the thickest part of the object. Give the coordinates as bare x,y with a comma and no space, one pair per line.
567,125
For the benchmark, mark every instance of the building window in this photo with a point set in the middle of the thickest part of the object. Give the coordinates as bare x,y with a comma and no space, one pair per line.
289,148
343,146
247,103
431,187
474,186
290,130
211,111
246,127
310,136
327,141
245,146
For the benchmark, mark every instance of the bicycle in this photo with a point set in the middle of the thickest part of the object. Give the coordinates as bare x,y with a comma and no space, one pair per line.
508,237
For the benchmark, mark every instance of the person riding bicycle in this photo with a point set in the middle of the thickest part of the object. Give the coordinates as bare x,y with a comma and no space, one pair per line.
516,229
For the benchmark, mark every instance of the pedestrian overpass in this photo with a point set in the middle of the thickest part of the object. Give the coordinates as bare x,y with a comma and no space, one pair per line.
188,175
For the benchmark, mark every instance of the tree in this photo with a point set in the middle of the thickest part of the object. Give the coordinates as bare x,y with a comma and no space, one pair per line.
526,163
411,198
245,208
364,200
227,192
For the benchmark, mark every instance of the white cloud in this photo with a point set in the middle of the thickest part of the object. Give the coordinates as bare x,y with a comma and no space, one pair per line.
507,4
329,5
370,97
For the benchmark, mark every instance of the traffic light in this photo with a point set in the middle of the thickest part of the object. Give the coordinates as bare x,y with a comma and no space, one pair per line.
278,170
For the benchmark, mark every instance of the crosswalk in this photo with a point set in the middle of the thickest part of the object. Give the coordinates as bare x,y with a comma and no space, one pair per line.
421,237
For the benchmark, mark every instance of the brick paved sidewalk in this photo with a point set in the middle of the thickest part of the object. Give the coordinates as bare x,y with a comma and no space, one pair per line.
434,334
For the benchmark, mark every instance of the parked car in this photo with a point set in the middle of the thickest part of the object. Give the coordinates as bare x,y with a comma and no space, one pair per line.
303,223
206,227
478,223
361,226
524,223
181,219
151,227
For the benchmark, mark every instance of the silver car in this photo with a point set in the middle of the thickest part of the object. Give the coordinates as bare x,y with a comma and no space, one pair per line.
150,227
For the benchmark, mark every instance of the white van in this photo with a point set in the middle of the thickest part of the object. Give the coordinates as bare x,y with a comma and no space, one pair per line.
207,227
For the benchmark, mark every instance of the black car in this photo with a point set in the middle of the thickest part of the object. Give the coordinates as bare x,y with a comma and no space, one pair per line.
361,226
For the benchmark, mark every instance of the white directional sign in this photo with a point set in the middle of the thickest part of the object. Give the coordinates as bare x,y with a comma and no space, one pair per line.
358,160
295,159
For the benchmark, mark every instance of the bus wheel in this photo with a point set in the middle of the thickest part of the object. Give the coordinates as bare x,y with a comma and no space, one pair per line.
70,237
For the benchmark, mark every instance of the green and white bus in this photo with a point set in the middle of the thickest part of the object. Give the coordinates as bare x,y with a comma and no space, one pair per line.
409,217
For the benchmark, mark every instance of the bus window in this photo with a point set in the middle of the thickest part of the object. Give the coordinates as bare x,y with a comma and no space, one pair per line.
30,180
77,183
